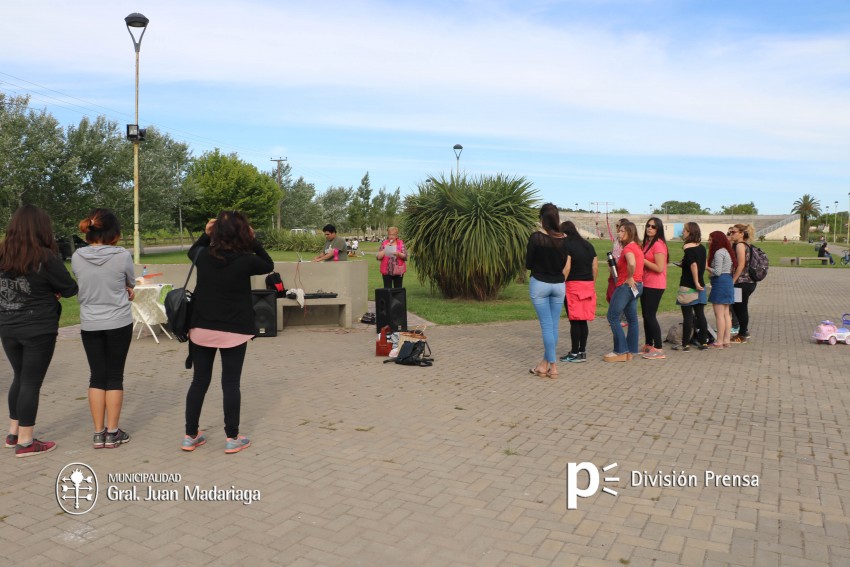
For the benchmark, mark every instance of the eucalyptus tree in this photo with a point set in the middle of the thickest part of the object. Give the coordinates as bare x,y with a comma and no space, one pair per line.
360,208
468,237
300,209
333,206
31,155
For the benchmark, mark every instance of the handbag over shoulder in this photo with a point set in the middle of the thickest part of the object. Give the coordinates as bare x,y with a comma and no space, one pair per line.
178,307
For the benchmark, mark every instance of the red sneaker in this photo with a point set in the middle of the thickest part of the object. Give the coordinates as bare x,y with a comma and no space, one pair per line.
35,448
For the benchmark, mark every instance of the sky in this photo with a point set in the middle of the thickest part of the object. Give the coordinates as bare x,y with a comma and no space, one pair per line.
598,103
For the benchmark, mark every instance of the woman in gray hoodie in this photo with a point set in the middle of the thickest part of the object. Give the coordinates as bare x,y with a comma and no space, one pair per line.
106,278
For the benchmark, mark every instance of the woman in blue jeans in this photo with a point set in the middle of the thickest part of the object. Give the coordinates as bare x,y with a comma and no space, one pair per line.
624,300
546,256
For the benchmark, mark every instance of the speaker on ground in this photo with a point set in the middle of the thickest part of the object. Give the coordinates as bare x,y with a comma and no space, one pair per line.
391,308
265,312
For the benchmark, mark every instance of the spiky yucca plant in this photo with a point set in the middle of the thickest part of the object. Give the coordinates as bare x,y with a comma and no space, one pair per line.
468,236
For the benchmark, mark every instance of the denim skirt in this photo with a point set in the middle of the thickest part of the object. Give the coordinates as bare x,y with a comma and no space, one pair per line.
722,290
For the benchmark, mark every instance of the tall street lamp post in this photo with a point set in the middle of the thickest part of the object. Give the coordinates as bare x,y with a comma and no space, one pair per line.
827,219
835,223
458,149
136,20
847,242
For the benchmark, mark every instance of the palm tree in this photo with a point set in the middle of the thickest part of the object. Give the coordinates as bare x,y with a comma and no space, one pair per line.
806,206
468,236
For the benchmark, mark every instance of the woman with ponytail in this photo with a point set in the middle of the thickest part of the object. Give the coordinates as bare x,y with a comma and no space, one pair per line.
106,278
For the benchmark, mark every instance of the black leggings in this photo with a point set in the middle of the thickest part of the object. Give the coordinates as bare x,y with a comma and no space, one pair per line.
649,301
107,353
742,310
578,336
392,281
688,323
30,359
578,332
231,375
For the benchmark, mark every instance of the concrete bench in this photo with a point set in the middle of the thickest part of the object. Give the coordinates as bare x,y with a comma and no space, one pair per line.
799,259
315,311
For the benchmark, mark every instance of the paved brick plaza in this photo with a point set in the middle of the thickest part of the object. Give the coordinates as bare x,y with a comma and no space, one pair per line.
464,463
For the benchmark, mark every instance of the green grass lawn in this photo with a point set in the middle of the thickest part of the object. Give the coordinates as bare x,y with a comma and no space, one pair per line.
512,304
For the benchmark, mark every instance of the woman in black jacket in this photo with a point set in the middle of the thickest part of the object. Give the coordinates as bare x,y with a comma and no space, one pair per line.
222,319
32,277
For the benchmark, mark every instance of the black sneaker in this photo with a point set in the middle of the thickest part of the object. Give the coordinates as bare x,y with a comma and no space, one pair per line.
99,439
112,440
580,357
703,347
569,357
683,348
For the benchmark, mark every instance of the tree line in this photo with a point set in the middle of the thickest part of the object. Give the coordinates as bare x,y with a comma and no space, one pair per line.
69,170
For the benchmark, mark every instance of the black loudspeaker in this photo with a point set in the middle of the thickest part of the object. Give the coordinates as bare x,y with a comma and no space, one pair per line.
265,312
391,308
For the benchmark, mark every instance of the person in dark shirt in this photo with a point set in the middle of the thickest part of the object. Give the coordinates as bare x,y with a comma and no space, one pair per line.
580,271
693,267
32,277
546,256
222,319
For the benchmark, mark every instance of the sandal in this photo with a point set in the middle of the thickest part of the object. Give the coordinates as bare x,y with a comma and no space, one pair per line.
536,372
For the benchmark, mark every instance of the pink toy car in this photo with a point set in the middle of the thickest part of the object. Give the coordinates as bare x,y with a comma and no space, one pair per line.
827,332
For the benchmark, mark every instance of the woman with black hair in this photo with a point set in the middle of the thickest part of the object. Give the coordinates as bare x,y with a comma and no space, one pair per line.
580,272
546,256
32,277
226,256
654,283
106,278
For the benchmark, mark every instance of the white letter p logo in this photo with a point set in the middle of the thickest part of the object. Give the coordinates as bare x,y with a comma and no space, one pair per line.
573,491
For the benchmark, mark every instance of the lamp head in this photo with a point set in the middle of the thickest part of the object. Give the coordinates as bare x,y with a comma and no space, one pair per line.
136,20
458,149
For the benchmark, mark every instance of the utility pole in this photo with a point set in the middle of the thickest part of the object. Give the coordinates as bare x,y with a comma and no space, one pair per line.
280,203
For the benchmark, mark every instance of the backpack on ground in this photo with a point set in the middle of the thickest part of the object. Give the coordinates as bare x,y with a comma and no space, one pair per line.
275,283
758,265
674,335
413,353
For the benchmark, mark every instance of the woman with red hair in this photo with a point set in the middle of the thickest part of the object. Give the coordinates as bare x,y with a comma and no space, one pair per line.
721,264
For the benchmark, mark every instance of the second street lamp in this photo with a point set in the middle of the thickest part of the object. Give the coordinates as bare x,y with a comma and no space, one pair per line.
458,149
835,222
137,21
